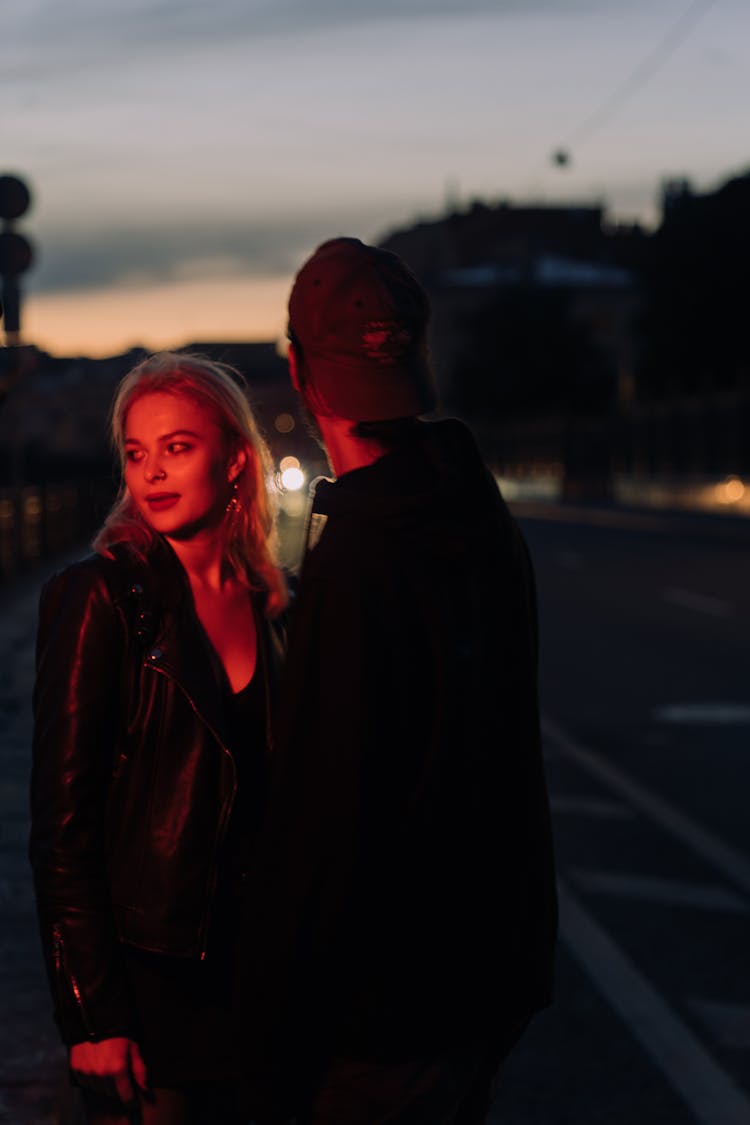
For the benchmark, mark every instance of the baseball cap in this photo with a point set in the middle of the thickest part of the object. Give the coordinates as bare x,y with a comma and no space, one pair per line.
360,320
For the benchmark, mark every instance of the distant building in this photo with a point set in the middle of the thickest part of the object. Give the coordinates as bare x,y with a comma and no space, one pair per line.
54,416
259,361
675,192
695,332
501,233
479,261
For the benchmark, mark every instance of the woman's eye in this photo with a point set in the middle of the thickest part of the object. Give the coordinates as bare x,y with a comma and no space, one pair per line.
134,454
178,446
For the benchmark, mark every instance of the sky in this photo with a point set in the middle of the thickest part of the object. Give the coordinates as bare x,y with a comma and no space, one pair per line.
186,156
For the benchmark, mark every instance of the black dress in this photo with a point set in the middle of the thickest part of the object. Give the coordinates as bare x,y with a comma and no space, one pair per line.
187,1009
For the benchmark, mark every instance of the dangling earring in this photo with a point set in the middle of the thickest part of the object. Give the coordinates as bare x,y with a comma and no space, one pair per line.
234,505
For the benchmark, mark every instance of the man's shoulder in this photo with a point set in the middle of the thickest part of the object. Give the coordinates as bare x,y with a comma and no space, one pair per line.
341,558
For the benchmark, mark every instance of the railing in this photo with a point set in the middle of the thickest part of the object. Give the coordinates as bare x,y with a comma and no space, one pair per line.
38,521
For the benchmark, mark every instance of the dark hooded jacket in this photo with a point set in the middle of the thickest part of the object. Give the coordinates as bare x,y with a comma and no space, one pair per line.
132,782
404,897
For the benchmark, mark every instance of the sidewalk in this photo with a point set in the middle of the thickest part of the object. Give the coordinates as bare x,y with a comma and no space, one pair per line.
33,1077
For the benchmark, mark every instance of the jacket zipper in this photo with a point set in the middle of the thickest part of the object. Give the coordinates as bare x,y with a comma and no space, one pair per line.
223,820
65,976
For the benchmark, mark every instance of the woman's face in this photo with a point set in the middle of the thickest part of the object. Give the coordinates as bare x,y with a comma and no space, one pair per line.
178,469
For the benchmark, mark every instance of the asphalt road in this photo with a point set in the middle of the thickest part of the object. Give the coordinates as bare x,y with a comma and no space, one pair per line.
644,675
646,702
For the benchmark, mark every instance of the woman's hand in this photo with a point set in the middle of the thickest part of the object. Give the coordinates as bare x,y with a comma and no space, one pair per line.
111,1062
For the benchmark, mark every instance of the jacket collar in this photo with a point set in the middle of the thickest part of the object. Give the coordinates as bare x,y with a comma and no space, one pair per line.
175,643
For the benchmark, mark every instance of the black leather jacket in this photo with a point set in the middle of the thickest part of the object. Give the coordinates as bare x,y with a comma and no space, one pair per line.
132,783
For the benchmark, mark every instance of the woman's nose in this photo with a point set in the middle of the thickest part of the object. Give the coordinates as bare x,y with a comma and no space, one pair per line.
154,472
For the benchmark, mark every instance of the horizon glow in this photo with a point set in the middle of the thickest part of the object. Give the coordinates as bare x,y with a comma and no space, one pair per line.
184,160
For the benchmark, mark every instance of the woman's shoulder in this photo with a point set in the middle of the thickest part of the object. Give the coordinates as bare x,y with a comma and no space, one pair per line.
96,577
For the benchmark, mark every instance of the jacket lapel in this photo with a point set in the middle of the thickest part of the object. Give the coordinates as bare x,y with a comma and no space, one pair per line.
180,648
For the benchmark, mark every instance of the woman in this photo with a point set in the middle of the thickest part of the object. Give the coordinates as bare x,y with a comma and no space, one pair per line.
154,673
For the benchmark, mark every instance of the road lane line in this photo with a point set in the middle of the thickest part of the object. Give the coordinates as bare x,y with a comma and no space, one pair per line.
700,714
729,861
710,1094
702,603
667,892
729,1024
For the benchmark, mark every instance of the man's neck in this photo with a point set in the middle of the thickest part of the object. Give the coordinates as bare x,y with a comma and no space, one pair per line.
346,451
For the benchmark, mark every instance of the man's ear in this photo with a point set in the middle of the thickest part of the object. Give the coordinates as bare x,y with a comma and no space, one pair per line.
294,367
237,463
304,388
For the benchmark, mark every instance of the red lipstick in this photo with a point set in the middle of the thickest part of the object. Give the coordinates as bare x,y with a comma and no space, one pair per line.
161,501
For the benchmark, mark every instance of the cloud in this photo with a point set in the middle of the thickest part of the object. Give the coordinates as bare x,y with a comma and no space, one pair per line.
166,253
148,255
84,32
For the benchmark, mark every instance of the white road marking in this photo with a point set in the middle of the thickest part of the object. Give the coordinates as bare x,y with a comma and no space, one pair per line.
591,806
721,714
701,603
729,1024
729,861
711,1095
668,892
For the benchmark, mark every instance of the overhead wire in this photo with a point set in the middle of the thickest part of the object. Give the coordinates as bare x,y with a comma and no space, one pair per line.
654,60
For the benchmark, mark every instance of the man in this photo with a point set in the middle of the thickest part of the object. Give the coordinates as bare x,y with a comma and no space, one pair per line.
403,907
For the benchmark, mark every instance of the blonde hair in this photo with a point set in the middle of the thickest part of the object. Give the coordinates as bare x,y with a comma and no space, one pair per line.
251,546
